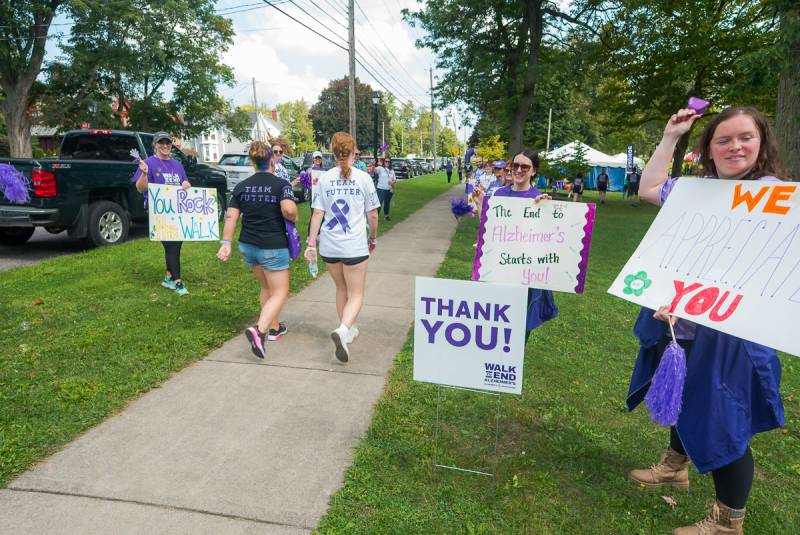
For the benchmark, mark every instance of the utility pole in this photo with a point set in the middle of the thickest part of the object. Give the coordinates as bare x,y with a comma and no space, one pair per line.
549,122
352,79
255,104
383,133
433,123
402,132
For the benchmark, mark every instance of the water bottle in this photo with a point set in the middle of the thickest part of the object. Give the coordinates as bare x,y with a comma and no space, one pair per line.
313,269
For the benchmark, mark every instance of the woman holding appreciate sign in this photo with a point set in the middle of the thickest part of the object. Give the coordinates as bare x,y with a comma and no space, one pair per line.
347,200
263,200
162,169
731,389
524,166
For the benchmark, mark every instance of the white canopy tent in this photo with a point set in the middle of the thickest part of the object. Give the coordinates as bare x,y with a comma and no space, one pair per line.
615,165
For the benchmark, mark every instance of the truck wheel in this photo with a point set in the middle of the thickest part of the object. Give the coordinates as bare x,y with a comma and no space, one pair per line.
108,223
15,235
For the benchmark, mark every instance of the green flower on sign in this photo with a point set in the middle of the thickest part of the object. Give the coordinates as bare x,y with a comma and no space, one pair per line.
636,284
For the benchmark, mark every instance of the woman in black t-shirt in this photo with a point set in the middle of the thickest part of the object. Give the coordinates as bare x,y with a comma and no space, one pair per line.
264,201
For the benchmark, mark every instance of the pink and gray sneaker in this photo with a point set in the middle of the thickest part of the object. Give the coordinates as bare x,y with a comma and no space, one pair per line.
257,341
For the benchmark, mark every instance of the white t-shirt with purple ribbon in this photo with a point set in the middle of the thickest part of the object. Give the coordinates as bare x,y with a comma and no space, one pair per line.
346,202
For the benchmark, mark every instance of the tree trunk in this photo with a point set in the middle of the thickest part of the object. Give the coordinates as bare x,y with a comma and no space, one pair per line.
18,124
534,17
679,153
787,112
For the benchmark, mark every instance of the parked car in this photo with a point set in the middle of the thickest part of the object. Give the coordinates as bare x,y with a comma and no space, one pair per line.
424,165
402,168
237,167
87,190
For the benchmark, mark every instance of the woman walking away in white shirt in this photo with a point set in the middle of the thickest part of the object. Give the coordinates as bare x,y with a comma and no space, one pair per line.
345,197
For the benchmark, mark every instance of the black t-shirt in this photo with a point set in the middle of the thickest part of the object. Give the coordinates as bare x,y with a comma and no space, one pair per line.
259,199
602,178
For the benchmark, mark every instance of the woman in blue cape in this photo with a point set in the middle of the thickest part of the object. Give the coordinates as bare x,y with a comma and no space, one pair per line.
731,390
541,305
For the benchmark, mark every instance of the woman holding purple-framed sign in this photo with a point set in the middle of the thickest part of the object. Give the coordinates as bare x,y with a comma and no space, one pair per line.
524,167
346,198
268,241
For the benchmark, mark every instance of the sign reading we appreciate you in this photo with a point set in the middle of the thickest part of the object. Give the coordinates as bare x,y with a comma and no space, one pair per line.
724,254
178,214
469,334
541,245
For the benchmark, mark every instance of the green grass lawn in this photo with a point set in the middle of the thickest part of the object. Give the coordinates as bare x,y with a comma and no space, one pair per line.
81,336
565,445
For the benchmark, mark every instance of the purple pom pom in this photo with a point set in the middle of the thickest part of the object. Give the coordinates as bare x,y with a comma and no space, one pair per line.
305,180
13,184
698,105
666,389
460,207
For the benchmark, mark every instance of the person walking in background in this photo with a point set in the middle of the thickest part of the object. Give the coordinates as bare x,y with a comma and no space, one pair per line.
732,386
577,187
162,169
263,201
277,163
633,185
460,169
347,199
385,186
602,185
358,162
449,169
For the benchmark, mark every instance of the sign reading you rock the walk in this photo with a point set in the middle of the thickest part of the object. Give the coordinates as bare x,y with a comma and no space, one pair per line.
178,214
724,254
543,245
469,334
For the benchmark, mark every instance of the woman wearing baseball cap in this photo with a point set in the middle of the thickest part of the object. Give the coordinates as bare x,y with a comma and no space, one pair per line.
162,169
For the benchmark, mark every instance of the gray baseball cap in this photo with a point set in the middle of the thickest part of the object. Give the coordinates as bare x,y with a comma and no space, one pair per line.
158,136
317,154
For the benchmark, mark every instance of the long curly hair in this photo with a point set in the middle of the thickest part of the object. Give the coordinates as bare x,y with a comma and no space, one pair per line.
342,146
768,162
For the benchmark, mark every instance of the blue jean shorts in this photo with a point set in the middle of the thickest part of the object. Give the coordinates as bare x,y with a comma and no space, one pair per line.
269,259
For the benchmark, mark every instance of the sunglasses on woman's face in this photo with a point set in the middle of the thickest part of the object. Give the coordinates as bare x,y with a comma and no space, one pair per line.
277,151
521,166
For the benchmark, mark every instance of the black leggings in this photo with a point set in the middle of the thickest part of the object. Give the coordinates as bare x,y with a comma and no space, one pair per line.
732,482
172,254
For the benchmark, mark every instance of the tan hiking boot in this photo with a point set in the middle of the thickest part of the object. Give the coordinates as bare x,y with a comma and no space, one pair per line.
671,470
721,520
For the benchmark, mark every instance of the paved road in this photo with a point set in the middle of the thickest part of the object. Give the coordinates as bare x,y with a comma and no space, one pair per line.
44,245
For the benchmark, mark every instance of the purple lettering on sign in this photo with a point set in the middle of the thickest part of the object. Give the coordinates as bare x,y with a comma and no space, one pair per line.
466,336
432,329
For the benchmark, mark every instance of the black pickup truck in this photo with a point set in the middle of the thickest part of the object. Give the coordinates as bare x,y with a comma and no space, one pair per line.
87,190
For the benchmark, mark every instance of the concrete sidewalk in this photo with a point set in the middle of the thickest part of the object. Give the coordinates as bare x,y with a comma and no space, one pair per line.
232,444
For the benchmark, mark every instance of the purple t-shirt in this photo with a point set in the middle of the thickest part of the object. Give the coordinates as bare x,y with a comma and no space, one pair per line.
685,329
160,171
506,191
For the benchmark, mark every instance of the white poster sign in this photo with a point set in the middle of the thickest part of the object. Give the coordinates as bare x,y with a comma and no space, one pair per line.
178,214
469,334
543,245
724,254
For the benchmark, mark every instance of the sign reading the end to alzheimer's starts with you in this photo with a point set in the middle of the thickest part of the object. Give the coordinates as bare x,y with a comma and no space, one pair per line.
178,214
469,334
540,245
724,254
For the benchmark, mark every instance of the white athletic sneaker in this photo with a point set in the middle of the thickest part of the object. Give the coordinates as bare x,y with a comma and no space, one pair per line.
339,337
352,334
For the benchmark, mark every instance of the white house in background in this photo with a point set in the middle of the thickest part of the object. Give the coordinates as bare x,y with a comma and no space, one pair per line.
212,144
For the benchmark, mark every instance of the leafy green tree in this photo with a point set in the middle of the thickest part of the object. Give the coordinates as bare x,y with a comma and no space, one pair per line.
659,53
297,126
330,114
491,148
24,29
126,53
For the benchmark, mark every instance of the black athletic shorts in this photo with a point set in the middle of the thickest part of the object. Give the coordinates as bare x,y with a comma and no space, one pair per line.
346,261
602,187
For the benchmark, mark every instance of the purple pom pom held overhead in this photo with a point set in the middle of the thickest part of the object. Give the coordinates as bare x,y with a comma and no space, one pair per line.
698,105
13,184
664,398
460,207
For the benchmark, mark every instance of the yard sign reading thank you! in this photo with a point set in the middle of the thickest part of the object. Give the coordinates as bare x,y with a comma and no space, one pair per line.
724,254
469,334
542,245
178,214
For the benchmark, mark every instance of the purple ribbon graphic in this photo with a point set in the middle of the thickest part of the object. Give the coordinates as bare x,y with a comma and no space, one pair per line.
339,215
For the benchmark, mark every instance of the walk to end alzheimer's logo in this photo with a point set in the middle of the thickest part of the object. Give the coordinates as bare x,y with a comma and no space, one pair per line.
500,375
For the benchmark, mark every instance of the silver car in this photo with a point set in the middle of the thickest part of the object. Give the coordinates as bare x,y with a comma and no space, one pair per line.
237,167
